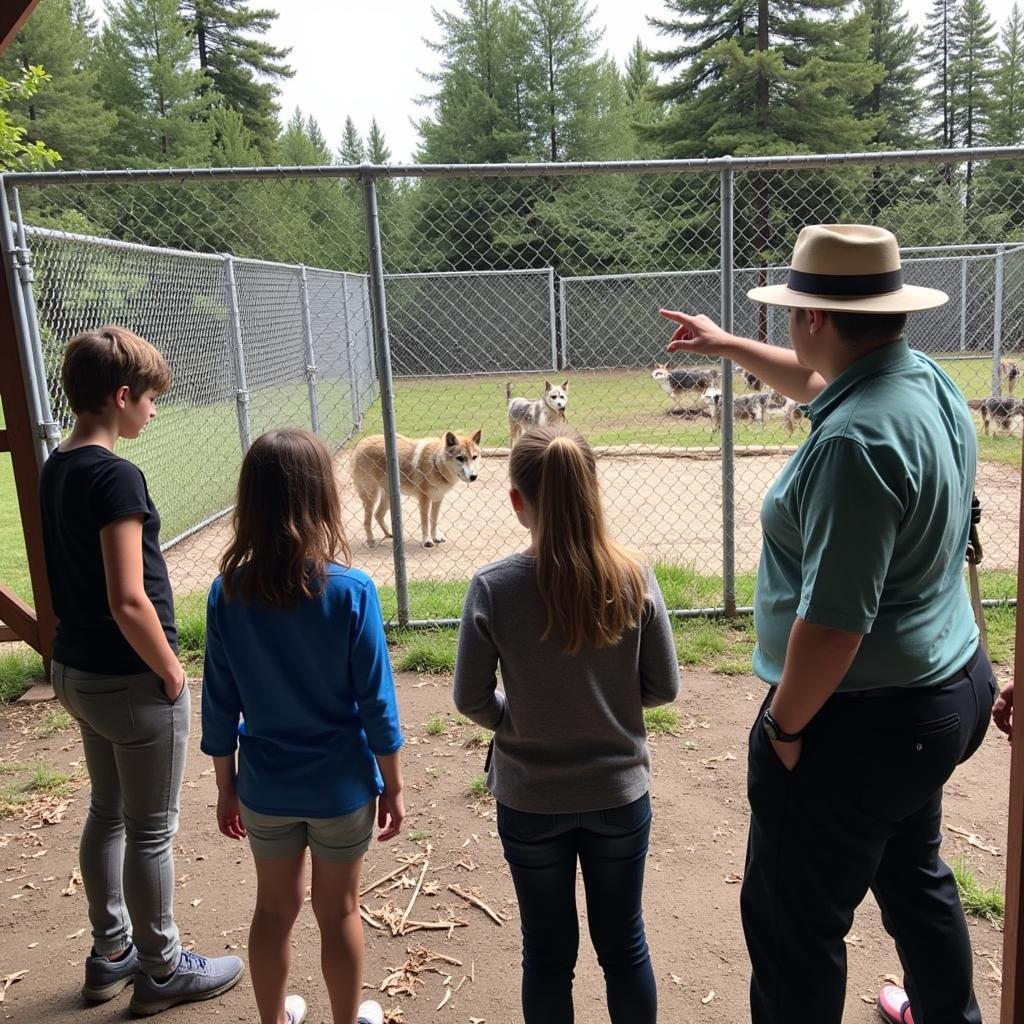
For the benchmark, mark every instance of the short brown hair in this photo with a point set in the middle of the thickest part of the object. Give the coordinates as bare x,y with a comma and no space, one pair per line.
287,522
97,363
868,328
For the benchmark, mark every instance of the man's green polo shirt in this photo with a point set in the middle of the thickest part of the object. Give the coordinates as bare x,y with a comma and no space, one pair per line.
866,527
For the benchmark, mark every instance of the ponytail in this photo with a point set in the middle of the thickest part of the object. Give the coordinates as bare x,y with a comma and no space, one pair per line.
592,587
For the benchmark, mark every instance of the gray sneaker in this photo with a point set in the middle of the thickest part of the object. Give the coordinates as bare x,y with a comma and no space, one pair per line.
197,978
105,978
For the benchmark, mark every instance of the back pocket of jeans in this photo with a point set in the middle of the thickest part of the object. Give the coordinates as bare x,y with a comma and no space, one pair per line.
629,817
523,825
937,727
108,712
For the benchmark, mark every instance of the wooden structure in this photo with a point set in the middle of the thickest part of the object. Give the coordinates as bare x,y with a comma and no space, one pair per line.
36,627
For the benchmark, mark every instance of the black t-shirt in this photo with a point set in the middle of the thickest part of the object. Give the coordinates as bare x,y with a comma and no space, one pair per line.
81,491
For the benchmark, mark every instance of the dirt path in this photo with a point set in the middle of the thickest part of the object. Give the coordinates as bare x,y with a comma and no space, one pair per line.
668,508
691,897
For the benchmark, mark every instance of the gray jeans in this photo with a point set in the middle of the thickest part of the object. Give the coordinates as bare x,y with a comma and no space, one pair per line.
135,745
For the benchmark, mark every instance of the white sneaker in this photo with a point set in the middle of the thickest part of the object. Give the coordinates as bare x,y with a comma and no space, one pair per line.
369,1013
295,1009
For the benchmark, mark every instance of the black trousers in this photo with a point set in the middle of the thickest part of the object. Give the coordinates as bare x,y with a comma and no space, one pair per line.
862,809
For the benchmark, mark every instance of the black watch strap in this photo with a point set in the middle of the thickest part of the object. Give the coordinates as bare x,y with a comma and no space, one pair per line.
774,732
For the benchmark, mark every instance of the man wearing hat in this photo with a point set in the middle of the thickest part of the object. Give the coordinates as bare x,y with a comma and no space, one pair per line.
865,636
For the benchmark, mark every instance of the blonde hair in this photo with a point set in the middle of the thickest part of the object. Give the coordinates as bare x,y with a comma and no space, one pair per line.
592,587
97,363
287,521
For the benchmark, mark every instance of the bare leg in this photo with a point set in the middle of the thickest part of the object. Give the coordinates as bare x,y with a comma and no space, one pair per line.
279,894
335,901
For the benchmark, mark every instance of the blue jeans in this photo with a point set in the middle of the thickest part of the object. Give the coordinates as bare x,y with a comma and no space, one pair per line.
611,845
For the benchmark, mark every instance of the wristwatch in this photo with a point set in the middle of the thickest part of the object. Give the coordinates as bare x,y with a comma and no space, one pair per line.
771,727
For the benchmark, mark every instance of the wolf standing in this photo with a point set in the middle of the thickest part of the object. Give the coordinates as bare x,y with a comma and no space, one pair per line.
865,637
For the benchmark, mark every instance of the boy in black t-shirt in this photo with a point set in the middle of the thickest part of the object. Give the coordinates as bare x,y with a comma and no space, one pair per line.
116,670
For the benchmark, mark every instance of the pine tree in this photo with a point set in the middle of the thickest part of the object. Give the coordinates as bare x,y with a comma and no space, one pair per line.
939,52
568,79
755,78
242,67
894,103
1006,123
351,151
376,146
67,113
971,73
147,79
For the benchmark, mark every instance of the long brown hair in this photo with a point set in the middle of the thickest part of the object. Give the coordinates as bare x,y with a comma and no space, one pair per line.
287,522
593,588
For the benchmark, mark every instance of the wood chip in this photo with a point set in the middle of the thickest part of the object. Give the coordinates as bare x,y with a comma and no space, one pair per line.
76,935
973,839
73,883
9,981
447,995
415,893
707,999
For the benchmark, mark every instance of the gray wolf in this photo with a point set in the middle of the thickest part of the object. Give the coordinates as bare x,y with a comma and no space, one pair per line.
1010,372
676,383
428,468
787,408
749,408
545,411
997,411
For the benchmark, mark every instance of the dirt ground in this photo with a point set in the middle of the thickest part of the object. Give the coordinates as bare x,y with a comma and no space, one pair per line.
668,508
692,893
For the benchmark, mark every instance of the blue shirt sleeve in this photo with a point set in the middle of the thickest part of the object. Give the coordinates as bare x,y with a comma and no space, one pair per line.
370,671
222,706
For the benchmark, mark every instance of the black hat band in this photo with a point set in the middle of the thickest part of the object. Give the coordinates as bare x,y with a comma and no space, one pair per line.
857,285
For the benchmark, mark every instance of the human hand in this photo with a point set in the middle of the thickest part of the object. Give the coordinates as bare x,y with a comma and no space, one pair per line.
390,815
695,333
174,686
229,817
1002,711
789,753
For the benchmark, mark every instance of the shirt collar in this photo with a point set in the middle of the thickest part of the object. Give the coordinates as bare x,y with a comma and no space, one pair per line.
881,360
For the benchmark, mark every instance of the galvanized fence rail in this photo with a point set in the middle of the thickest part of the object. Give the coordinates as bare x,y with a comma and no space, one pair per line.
407,299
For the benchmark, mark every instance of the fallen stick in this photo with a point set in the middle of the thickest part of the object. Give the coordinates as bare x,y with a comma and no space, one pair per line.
415,893
475,901
435,926
370,919
385,878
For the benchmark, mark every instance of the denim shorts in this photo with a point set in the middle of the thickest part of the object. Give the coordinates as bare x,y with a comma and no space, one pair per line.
336,840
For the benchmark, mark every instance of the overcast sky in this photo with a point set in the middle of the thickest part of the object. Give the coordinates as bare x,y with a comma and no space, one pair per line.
364,58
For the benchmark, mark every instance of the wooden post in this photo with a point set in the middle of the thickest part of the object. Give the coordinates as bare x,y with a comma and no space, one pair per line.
1013,925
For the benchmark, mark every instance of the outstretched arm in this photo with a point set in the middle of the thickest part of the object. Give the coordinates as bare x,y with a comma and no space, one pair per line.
777,367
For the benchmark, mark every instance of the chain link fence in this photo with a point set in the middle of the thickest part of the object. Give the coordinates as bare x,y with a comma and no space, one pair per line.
354,300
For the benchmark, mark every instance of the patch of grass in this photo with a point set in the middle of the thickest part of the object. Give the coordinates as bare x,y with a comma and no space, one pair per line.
724,646
18,671
477,787
436,725
431,651
478,739
53,722
190,612
661,721
980,901
35,780
419,835
428,599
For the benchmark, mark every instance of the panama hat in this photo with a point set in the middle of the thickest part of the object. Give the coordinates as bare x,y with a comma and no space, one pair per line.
853,268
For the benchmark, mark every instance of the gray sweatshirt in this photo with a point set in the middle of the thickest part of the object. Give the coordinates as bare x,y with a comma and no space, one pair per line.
569,729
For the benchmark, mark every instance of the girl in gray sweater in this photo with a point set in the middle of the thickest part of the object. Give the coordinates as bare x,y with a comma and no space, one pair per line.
580,631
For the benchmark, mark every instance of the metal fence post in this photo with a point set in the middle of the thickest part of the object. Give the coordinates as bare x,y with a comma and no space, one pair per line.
563,322
728,450
963,303
29,362
551,318
50,429
997,321
353,389
382,346
237,354
307,338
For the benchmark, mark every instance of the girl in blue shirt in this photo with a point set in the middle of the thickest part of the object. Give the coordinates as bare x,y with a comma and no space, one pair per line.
297,678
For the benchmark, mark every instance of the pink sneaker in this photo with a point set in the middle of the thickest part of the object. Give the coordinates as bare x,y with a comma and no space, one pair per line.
894,1006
